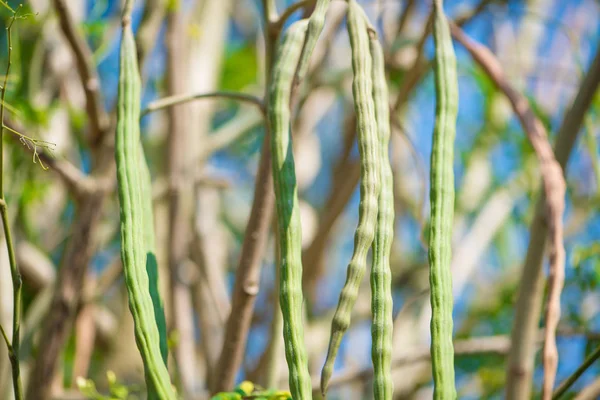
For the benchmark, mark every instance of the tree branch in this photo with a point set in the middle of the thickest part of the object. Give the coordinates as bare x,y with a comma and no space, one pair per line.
255,239
554,190
98,118
528,306
287,13
497,344
171,101
152,17
567,383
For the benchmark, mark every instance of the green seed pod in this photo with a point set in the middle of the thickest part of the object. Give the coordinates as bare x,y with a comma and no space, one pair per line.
151,262
288,211
442,207
315,27
381,275
133,188
369,150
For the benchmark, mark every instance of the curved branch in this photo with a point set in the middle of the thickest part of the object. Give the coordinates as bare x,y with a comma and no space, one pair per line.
278,24
567,383
171,101
98,118
554,191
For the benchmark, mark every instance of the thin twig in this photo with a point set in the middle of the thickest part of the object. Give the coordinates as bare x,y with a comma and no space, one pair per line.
253,247
466,347
287,13
76,181
98,119
497,344
186,98
180,203
270,14
346,174
82,243
421,66
528,306
554,189
152,18
231,131
13,347
567,383
406,12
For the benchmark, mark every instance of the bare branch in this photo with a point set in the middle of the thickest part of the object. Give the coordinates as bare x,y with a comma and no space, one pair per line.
554,190
567,383
498,345
186,98
278,24
528,307
152,17
98,119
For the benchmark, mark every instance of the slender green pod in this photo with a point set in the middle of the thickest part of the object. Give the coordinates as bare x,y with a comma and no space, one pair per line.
133,188
151,262
381,275
442,207
315,27
369,150
288,211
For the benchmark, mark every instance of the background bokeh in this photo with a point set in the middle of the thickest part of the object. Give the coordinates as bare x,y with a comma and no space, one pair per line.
544,46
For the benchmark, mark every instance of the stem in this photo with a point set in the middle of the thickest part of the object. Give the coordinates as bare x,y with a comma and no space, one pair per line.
2,103
278,24
567,383
171,101
257,230
269,12
86,68
528,307
17,291
13,348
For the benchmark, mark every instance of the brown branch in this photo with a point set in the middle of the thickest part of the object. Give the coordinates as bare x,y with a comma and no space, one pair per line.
248,273
229,133
82,244
186,98
67,294
85,338
287,13
421,66
554,190
528,307
253,246
152,17
346,174
98,119
37,269
406,13
497,345
161,188
462,348
180,205
75,180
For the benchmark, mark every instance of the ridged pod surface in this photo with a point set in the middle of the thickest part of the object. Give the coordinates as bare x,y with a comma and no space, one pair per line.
369,149
381,275
315,27
151,262
442,207
133,188
288,211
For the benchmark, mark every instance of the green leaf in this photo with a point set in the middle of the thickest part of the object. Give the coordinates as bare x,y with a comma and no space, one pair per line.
235,78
